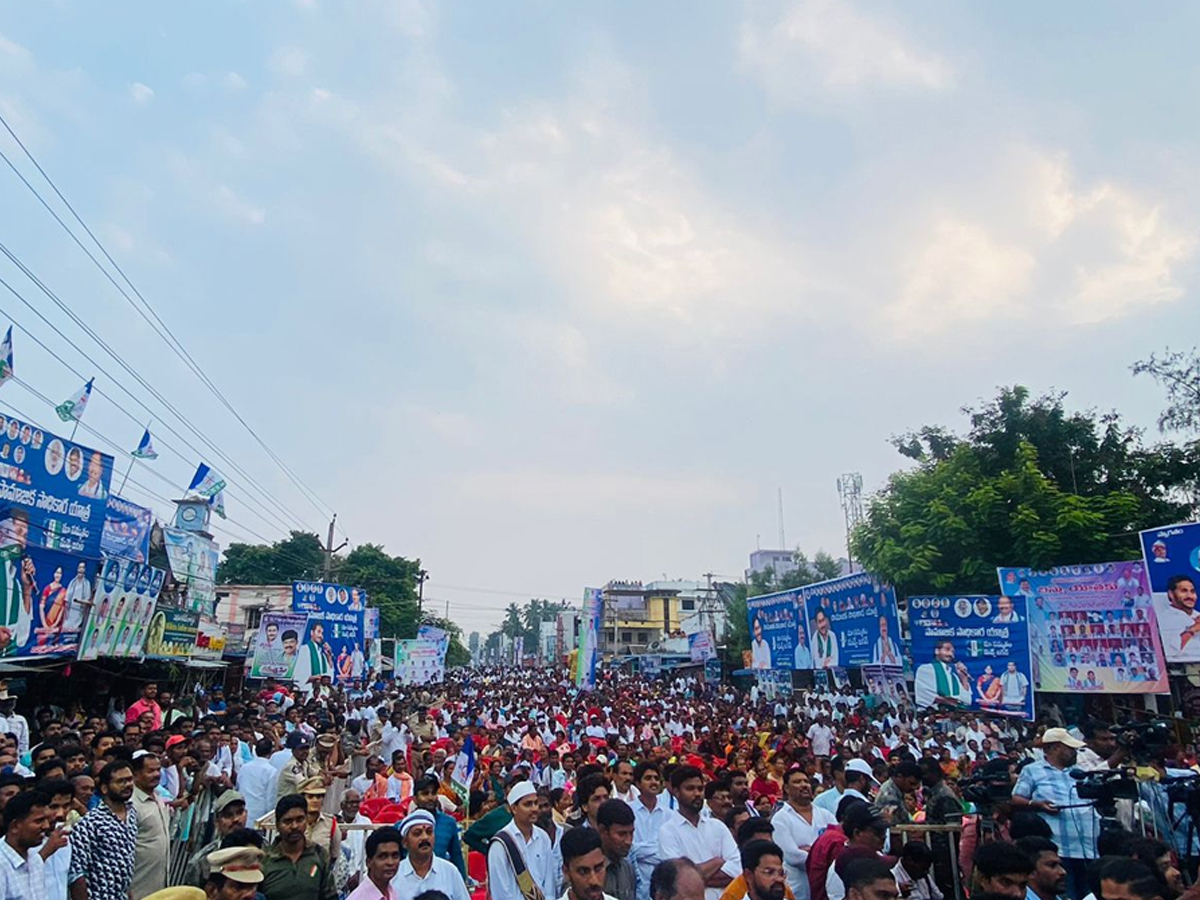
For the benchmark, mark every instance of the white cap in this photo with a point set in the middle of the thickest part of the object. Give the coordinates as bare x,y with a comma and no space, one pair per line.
1061,736
415,818
862,766
519,792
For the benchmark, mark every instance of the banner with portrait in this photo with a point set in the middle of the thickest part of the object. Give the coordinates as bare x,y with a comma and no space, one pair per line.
1172,564
334,645
126,529
777,638
701,646
886,684
172,634
1092,628
193,559
122,611
852,621
277,644
418,662
589,638
972,652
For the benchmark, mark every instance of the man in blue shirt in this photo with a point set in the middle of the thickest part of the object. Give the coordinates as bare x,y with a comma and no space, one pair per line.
446,842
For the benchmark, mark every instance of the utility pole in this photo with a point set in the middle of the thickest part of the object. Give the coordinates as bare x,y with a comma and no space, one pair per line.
330,549
422,575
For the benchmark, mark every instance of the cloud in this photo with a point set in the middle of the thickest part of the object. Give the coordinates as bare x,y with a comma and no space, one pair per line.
229,202
233,82
791,45
291,62
141,94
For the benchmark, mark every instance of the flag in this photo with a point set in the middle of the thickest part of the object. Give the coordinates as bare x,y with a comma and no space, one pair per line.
217,502
145,448
464,768
71,409
6,357
206,482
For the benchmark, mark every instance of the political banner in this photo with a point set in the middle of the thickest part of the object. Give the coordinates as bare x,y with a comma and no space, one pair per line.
589,638
122,610
439,636
193,559
774,684
1092,628
210,641
650,666
852,621
371,623
777,639
1172,564
972,652
418,662
712,671
886,684
701,646
518,649
277,644
52,499
334,645
172,634
126,533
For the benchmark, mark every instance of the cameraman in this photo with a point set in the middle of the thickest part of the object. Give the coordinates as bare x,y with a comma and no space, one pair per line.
1047,788
1102,750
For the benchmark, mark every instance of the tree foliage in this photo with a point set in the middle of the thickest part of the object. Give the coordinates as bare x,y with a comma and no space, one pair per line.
1178,371
1030,484
298,557
821,567
525,622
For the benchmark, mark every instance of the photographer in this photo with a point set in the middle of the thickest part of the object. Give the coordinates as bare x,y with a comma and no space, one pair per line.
1047,788
1102,750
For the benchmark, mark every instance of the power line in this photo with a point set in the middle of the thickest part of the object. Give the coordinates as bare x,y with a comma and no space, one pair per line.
173,342
218,455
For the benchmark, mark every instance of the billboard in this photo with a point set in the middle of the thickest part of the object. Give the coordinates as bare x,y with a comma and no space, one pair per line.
419,662
777,639
701,646
172,634
589,638
126,531
886,684
972,652
1172,564
852,621
193,559
1092,628
122,610
334,643
52,499
210,641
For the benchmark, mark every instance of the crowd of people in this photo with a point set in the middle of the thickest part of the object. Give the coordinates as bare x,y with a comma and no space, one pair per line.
517,783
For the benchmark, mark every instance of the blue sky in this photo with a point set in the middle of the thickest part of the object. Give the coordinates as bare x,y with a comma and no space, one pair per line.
547,294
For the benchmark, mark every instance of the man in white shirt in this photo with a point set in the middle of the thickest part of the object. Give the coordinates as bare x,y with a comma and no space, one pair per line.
798,824
1178,621
420,870
584,865
942,682
705,842
887,651
912,872
760,650
11,721
825,643
257,780
521,842
22,870
649,813
1015,684
820,736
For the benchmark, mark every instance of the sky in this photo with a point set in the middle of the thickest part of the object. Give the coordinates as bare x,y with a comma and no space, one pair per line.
547,294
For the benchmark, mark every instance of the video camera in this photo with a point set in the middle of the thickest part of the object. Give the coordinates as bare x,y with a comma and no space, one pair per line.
990,785
1145,741
1104,787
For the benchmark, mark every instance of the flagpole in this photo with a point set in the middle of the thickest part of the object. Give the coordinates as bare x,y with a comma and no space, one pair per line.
74,429
132,460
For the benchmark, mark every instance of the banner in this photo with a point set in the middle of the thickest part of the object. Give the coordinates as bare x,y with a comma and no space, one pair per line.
518,649
334,645
419,662
210,641
122,610
126,530
589,638
1172,560
777,639
1092,628
52,499
193,559
886,684
852,621
650,666
701,646
775,683
972,652
172,634
277,643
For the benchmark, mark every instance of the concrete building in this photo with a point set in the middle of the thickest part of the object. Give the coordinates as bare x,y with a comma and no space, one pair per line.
782,562
648,617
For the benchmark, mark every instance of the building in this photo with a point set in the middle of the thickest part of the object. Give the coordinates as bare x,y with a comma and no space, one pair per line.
781,562
244,604
473,646
647,618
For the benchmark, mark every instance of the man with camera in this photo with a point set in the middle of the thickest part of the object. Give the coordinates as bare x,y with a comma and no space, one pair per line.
1047,788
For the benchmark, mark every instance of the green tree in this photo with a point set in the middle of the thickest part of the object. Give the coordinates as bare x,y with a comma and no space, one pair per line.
456,654
391,586
514,622
298,557
1178,372
1029,485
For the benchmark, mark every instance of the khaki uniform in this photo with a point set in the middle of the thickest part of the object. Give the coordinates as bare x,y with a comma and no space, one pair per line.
295,772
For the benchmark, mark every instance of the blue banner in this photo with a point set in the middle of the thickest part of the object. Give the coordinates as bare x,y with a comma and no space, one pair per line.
334,644
972,652
1172,558
852,621
52,500
589,638
777,639
127,528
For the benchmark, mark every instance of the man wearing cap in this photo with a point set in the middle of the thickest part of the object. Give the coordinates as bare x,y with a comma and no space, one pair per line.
233,874
11,721
446,842
1046,787
230,813
322,827
420,870
302,767
154,827
520,857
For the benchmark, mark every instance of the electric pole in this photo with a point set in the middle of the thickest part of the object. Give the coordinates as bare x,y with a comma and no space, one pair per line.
330,549
421,576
